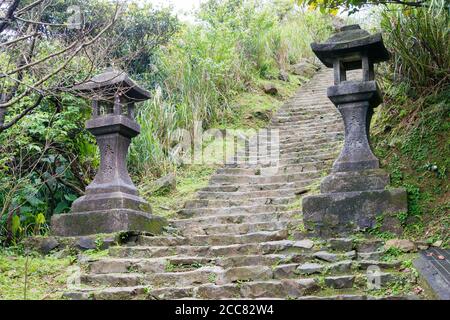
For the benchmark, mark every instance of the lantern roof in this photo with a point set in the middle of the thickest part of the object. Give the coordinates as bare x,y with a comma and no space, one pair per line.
111,82
353,41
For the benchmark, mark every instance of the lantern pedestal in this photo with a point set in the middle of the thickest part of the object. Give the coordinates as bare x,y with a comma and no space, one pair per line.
354,196
108,221
342,213
111,202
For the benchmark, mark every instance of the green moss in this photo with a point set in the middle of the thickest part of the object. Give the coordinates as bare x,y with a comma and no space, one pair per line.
254,108
96,254
46,276
412,140
212,277
189,180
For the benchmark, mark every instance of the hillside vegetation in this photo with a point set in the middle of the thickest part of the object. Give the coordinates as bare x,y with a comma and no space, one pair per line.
411,133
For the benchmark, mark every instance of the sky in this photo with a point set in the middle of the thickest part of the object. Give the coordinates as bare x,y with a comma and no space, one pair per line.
180,6
184,9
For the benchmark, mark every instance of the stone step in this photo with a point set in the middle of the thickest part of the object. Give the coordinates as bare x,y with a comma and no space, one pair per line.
305,105
208,195
209,274
282,246
299,184
267,186
299,116
307,125
247,290
308,165
283,289
309,102
269,171
333,147
314,137
308,132
269,179
214,240
301,142
202,203
245,187
112,293
297,146
277,261
241,228
200,222
211,212
326,156
280,156
230,292
175,263
303,123
272,154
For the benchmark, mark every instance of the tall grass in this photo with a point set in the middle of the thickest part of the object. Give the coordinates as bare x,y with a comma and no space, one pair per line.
235,43
419,39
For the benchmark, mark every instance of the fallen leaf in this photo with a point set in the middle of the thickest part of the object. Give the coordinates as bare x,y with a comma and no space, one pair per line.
429,254
441,257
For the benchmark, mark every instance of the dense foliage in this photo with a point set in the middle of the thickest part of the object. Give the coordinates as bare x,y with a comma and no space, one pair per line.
353,6
411,130
47,158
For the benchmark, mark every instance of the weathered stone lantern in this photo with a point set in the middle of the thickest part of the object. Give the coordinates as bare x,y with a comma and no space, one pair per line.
111,202
354,196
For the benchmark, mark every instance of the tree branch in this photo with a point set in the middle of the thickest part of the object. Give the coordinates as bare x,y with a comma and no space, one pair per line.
22,114
30,6
7,43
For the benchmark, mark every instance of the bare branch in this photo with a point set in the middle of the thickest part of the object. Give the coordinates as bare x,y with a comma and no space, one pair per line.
39,61
7,43
29,7
42,23
22,114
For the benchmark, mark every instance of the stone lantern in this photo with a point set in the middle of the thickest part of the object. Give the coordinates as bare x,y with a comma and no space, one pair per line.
355,195
111,202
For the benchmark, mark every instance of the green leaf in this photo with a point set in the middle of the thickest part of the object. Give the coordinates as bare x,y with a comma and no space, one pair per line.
15,226
33,200
62,206
70,197
40,219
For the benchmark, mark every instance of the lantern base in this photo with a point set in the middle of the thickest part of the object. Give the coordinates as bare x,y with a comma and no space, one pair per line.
343,213
106,221
347,181
109,201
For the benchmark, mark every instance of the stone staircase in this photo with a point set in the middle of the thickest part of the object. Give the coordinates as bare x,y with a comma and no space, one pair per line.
242,238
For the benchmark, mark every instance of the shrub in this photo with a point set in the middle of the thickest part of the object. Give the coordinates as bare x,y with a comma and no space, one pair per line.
419,39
